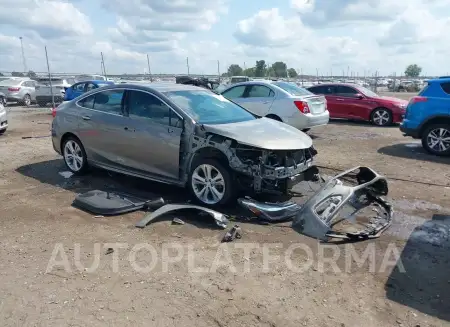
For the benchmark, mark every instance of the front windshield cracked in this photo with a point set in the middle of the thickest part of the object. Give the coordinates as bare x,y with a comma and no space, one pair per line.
206,107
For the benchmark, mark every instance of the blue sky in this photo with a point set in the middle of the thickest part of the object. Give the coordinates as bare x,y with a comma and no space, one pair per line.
367,35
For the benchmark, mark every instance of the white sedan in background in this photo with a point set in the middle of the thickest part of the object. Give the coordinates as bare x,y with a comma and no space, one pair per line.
282,101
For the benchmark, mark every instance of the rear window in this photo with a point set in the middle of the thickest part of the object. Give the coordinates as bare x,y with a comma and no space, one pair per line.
239,79
10,82
424,89
446,87
293,89
46,82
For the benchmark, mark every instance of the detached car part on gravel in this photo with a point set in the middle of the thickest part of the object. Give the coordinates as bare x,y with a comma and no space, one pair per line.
269,211
336,202
220,219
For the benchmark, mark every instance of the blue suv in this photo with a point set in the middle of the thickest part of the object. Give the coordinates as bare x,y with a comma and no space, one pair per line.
427,117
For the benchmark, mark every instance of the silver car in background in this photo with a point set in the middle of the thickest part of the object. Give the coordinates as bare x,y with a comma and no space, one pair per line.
21,90
58,88
182,135
282,101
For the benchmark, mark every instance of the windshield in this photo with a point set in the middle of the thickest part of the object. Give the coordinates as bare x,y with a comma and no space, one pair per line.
239,79
209,108
10,82
46,82
368,92
292,89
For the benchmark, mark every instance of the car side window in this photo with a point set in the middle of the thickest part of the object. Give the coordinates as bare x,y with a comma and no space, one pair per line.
235,92
90,87
316,89
27,84
79,87
87,102
446,87
260,91
345,91
147,106
109,101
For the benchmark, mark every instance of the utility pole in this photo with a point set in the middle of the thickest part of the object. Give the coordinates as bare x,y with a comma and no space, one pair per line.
317,74
25,69
50,79
301,74
149,70
103,63
218,69
187,64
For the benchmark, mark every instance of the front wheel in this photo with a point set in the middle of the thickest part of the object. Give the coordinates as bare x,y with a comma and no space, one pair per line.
436,139
74,155
210,182
381,117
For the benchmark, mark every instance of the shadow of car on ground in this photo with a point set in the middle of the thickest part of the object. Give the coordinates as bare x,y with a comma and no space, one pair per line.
424,284
52,173
412,151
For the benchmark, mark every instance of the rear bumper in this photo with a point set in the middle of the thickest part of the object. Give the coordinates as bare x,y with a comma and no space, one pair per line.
48,98
413,132
302,121
14,97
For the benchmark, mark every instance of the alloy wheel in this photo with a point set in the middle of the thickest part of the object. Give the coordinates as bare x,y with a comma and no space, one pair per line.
208,184
27,100
381,117
73,156
438,139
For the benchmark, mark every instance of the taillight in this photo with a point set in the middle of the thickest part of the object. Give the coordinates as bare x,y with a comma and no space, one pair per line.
302,106
14,89
53,112
417,99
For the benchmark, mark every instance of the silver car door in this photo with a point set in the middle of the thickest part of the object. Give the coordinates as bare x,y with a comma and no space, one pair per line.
101,126
153,131
259,99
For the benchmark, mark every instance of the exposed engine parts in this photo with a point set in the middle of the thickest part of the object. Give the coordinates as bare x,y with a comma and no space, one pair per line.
268,170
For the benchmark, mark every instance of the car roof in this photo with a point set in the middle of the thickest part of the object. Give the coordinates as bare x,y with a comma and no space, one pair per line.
263,81
335,84
439,80
96,81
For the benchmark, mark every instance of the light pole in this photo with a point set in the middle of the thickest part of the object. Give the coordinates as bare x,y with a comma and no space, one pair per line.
23,56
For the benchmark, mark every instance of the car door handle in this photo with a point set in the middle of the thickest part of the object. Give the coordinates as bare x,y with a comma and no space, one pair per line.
129,129
266,102
340,99
86,118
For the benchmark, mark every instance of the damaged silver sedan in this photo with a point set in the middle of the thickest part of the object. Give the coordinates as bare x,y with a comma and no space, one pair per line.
181,135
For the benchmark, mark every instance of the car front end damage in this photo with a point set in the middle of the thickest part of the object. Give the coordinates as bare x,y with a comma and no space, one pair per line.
258,170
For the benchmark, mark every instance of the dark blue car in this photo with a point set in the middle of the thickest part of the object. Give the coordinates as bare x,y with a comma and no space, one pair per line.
427,117
79,88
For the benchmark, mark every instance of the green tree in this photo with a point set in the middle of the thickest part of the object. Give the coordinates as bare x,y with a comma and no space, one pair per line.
17,74
260,68
234,70
292,72
413,70
250,72
31,74
280,69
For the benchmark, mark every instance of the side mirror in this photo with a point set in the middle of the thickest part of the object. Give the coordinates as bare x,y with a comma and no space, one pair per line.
359,96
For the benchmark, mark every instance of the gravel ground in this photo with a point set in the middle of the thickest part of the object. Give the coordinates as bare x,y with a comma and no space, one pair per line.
206,287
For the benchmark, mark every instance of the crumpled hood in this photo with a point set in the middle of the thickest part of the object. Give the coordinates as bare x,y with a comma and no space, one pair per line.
263,133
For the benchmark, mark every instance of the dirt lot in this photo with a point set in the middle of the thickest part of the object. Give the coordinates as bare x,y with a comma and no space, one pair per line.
246,290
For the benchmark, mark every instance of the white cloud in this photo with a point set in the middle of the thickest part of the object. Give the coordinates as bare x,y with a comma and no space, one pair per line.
383,35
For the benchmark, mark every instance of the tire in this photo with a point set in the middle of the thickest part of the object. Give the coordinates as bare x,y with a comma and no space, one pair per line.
42,104
433,132
306,130
199,173
381,117
79,164
26,100
3,101
2,131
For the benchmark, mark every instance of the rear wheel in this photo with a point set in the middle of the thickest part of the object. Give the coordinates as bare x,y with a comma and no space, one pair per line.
436,139
2,131
3,101
210,182
27,100
381,117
